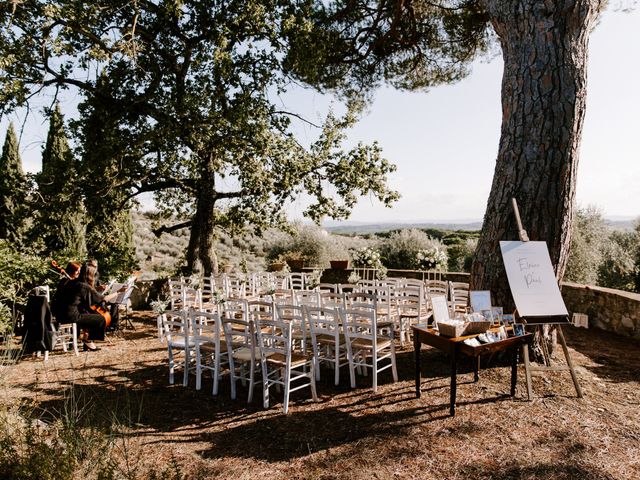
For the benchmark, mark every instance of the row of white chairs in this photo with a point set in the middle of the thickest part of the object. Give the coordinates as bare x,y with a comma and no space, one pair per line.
286,343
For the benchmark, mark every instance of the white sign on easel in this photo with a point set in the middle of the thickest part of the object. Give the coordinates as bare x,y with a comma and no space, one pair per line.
532,280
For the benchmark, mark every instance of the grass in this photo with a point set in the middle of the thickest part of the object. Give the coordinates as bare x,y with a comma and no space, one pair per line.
161,431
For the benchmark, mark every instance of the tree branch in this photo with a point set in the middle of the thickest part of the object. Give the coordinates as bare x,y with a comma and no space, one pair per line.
178,226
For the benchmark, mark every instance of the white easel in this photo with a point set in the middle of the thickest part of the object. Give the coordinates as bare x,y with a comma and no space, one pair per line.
539,322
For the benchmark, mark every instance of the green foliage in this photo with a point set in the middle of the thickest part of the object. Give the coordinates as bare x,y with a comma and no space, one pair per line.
400,249
13,191
461,254
310,243
104,179
186,103
619,267
601,256
19,273
60,215
588,238
357,45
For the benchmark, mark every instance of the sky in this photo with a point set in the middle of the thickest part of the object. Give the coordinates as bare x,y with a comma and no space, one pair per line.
444,142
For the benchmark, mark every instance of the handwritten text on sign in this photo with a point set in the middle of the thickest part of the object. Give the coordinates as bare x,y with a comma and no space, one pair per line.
532,280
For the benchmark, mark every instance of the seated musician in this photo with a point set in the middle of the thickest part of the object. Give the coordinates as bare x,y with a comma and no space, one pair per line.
93,279
72,304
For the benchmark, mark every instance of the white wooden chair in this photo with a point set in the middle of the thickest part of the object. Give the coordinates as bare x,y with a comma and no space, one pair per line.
65,335
364,341
176,332
409,302
327,339
310,298
459,293
328,287
300,335
175,293
296,281
437,287
243,352
332,300
280,364
347,288
283,296
208,348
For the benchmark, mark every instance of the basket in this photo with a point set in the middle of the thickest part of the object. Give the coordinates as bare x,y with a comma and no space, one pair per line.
472,328
450,329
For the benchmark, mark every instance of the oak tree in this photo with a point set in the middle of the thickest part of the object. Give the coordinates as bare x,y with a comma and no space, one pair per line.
194,89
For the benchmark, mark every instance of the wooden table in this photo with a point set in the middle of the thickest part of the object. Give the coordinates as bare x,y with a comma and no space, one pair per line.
456,346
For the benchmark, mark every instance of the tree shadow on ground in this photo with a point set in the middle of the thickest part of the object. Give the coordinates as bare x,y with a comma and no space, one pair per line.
139,396
615,356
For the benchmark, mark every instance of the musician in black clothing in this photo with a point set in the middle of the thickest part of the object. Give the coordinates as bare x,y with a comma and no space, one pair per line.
92,277
72,304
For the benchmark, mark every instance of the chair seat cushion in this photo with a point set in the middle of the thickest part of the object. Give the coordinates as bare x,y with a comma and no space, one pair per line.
329,339
297,359
244,354
180,343
365,344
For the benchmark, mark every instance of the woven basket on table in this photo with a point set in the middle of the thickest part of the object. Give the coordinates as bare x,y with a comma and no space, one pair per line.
472,328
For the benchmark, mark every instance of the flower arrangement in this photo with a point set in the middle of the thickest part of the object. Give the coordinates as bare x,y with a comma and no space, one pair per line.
432,258
159,306
218,297
353,278
313,279
369,258
366,258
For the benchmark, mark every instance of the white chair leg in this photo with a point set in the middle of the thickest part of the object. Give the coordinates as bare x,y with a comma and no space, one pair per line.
74,338
187,359
336,360
312,379
252,368
374,360
394,370
352,370
287,387
232,376
198,369
171,366
216,375
265,385
46,355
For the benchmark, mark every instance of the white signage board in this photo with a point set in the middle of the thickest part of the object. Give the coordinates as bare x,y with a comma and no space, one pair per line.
532,280
480,300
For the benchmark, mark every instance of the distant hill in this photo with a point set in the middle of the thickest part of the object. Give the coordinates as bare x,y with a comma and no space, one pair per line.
625,225
363,228
616,223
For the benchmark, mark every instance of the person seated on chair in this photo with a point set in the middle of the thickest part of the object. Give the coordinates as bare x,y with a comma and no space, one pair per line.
72,302
93,279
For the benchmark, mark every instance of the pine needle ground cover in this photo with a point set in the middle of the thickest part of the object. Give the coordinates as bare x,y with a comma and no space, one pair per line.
176,432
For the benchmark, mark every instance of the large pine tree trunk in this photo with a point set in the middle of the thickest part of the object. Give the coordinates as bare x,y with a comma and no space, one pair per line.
201,254
544,47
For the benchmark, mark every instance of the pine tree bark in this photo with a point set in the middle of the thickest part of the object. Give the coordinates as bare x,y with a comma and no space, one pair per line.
201,255
544,47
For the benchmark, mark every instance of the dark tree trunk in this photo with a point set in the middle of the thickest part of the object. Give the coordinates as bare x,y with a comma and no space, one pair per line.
544,47
201,254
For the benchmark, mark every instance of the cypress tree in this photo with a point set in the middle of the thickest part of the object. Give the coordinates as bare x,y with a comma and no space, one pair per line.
13,191
60,221
103,166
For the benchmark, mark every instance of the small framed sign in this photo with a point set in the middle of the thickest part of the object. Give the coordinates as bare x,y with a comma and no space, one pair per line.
480,300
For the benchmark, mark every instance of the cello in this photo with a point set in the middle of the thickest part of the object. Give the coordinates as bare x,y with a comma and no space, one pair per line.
96,308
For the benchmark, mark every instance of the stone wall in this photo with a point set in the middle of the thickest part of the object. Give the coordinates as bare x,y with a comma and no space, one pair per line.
612,310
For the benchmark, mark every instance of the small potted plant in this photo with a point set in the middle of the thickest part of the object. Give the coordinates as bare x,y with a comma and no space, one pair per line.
295,260
225,267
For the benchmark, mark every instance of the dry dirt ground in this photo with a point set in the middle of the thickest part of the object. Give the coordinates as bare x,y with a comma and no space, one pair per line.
356,434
